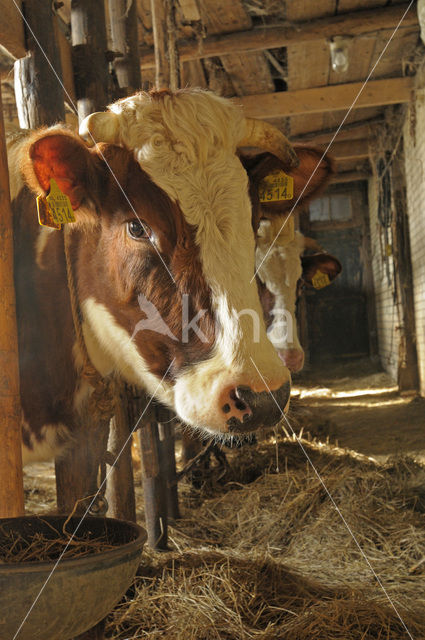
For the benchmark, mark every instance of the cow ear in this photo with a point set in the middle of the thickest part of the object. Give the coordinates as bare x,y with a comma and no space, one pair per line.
320,269
61,155
309,178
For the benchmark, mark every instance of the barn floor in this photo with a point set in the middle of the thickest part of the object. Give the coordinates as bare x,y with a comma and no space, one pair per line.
276,547
360,408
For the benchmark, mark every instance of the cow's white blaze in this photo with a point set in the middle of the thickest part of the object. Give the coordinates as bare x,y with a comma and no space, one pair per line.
112,350
187,144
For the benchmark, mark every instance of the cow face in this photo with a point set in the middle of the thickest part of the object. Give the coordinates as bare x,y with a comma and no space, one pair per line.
164,253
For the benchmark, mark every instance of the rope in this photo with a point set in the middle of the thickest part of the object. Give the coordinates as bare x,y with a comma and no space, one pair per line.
101,402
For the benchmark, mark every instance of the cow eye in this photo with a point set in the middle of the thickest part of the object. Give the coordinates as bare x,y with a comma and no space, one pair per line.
138,230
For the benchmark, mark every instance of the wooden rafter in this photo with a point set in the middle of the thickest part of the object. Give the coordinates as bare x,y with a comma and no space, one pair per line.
329,98
354,24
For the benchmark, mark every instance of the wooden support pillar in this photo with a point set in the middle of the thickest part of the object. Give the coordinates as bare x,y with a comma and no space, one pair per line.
124,37
89,57
38,90
77,472
167,66
168,460
154,485
120,485
11,484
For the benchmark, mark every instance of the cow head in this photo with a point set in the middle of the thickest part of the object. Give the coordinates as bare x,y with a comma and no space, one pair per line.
164,253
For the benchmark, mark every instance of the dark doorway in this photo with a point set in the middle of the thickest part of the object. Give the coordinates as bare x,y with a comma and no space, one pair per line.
340,324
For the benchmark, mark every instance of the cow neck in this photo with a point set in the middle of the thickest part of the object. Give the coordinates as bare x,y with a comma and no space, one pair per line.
101,404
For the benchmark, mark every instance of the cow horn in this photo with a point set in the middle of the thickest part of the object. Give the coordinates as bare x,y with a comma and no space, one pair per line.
267,137
102,126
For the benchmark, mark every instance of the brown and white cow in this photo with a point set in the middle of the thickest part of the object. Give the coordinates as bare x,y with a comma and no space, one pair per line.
281,266
163,215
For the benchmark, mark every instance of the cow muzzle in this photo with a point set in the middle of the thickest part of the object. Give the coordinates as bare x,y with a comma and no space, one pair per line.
246,410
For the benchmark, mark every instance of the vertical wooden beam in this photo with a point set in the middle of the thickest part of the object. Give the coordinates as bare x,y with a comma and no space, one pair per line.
173,54
168,460
167,66
125,42
77,472
162,69
120,485
39,94
89,46
154,486
11,483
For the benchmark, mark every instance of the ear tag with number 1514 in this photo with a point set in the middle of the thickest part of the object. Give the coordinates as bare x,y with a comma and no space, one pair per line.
275,187
55,209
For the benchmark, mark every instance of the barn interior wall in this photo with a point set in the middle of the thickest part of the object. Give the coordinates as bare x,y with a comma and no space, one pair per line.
414,147
387,312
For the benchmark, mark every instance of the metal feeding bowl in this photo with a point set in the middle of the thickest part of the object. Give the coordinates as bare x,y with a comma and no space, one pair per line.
79,592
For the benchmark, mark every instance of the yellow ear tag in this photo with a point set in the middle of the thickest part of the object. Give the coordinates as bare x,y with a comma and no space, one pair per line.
55,209
275,187
45,217
59,205
320,280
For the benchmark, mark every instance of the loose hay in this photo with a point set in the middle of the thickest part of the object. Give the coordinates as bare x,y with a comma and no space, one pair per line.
273,558
39,547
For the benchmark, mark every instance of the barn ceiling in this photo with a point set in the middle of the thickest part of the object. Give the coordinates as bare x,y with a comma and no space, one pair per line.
274,58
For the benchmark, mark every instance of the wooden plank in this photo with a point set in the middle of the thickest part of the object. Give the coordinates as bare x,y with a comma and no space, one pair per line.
120,485
39,94
193,74
273,37
190,10
88,49
11,483
301,72
348,149
401,47
249,73
351,131
350,176
220,16
355,5
124,40
305,9
12,35
65,54
330,98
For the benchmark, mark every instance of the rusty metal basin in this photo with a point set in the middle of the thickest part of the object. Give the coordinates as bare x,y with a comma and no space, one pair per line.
78,593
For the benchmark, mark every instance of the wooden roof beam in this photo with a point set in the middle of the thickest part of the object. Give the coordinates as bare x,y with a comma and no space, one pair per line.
350,176
272,37
350,131
330,98
349,149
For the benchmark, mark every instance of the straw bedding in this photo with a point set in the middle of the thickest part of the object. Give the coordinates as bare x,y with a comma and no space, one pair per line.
263,553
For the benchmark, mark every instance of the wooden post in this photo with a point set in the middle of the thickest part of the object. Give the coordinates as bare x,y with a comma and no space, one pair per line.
11,483
167,67
168,460
39,94
77,472
120,485
88,34
125,43
154,487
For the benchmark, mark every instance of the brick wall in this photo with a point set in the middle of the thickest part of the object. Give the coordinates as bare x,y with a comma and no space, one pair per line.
414,148
387,318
